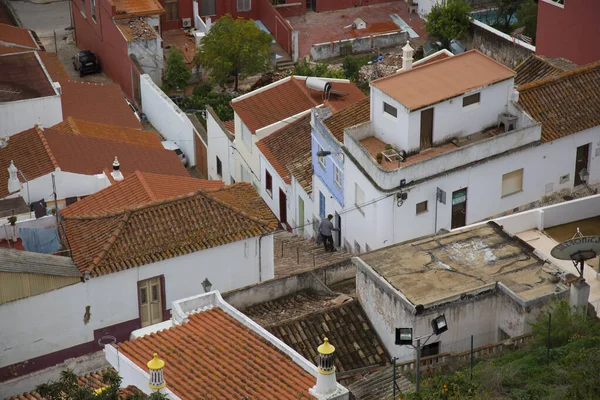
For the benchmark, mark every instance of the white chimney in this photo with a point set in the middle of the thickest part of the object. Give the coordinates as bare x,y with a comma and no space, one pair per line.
407,57
14,185
116,173
326,380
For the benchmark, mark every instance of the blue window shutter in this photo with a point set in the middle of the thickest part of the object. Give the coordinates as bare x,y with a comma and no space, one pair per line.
321,205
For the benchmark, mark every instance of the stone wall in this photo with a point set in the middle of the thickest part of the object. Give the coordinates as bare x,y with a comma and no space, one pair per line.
497,45
363,44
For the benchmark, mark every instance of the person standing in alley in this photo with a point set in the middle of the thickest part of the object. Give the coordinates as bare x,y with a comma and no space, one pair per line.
325,229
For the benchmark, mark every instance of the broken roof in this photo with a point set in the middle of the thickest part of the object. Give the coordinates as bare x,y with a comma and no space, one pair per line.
566,103
139,8
135,29
287,147
302,320
111,242
214,356
112,132
18,37
356,114
441,80
441,268
138,189
537,67
22,77
14,206
104,104
288,97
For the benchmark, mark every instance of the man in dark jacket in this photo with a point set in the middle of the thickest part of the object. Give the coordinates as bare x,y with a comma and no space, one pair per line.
325,229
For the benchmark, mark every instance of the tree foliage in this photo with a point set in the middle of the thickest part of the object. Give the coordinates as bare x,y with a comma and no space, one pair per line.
527,17
319,70
505,11
234,47
205,95
177,75
448,21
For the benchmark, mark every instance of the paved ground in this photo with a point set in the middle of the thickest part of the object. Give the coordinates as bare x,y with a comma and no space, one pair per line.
328,26
43,18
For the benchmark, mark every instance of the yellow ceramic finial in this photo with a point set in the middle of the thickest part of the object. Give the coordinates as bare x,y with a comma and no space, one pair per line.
155,364
326,348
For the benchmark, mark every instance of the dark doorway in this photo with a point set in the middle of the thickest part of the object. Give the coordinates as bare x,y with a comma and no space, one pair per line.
459,208
283,208
208,8
311,5
581,162
338,234
426,128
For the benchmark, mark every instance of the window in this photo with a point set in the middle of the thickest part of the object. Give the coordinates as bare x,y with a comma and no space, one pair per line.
244,5
321,205
421,207
356,247
93,7
172,10
389,109
71,200
558,3
322,160
359,195
219,167
512,182
83,7
269,183
472,99
430,349
247,137
337,175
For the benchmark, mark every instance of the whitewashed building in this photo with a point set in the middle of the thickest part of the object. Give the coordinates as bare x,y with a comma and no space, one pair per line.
136,255
221,147
458,144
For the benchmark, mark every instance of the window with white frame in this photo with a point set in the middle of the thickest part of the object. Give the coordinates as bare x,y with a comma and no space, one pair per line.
390,109
512,182
322,161
93,7
471,99
244,5
359,195
268,183
337,175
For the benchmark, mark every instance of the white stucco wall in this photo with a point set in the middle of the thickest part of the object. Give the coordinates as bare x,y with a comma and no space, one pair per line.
67,185
53,321
220,146
167,117
303,226
542,165
149,54
17,116
272,199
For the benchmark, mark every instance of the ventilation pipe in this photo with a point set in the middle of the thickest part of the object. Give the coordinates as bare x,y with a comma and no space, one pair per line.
116,173
407,57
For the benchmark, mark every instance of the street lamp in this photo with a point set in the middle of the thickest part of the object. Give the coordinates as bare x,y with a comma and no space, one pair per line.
325,153
206,285
404,337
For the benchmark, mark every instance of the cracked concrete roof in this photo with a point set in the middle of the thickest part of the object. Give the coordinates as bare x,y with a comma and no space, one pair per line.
441,267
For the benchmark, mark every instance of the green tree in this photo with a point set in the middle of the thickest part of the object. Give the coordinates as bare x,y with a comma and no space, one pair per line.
177,75
505,11
448,21
68,387
234,47
351,68
527,17
319,70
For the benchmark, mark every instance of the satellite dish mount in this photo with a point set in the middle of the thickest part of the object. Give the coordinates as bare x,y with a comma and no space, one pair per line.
578,249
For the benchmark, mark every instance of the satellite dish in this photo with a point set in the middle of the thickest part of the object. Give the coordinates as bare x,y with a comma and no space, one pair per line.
578,250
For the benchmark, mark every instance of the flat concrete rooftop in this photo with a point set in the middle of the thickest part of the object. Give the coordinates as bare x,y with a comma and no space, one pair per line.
442,267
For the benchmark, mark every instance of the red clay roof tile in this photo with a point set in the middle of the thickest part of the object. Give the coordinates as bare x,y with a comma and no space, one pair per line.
215,357
166,229
565,104
55,69
17,36
138,189
537,67
22,77
97,103
130,8
356,114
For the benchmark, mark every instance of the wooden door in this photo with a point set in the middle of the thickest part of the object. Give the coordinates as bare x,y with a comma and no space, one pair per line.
459,208
426,128
581,162
338,234
282,208
151,302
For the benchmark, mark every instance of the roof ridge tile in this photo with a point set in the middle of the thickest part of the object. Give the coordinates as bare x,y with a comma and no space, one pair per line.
109,243
563,75
42,137
142,180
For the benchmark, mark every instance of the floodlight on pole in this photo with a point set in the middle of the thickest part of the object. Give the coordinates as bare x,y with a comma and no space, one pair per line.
206,285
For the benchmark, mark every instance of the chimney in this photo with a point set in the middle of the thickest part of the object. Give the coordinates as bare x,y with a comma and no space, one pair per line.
407,57
326,380
14,184
155,369
116,173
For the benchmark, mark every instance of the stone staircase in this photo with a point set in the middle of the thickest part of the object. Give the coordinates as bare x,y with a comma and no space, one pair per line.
283,65
293,254
378,385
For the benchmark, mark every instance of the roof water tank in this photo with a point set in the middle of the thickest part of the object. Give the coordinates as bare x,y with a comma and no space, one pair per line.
318,84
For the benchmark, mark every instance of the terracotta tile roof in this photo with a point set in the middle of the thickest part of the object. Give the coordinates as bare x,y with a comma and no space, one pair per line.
131,8
287,145
31,155
11,50
565,104
336,102
356,114
22,77
538,67
439,81
55,69
112,132
272,105
91,155
97,103
301,169
230,125
17,36
138,189
93,380
166,229
346,325
215,357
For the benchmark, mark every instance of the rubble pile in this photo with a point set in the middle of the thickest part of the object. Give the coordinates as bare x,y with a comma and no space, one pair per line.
140,29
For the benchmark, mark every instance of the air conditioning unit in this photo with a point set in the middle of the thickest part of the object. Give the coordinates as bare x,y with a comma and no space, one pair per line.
186,22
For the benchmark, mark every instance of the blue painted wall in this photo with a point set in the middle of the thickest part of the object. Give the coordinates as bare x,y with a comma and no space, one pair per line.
322,137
